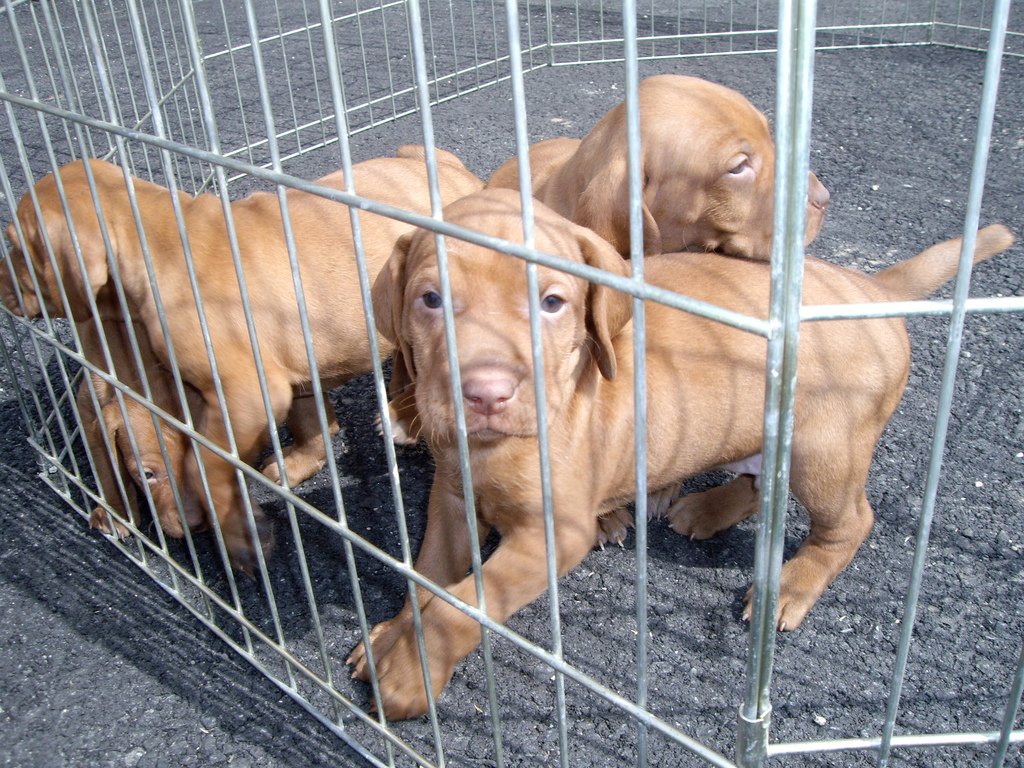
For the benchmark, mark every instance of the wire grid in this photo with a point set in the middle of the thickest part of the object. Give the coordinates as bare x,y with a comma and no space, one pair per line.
143,99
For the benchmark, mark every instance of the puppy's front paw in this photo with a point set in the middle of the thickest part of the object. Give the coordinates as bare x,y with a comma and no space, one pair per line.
382,637
613,527
104,522
402,432
399,673
300,465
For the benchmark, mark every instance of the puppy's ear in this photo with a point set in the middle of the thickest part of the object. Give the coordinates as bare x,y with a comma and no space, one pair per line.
603,207
608,310
388,295
70,278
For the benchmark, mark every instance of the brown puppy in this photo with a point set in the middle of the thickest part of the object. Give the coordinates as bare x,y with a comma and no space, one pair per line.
109,434
325,251
707,168
705,389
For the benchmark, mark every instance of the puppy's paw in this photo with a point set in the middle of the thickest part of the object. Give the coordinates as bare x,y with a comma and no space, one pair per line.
702,515
106,523
399,672
402,433
299,465
382,637
659,502
613,527
800,587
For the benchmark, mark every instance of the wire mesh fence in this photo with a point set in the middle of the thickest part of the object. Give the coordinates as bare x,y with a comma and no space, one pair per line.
222,99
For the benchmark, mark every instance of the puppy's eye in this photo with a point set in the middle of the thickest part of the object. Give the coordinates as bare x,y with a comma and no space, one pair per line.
431,300
552,303
740,165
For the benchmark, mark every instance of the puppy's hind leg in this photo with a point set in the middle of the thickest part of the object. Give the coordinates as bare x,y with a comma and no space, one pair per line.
830,483
702,515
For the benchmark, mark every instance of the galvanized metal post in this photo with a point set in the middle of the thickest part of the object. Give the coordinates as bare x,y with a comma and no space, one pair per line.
793,105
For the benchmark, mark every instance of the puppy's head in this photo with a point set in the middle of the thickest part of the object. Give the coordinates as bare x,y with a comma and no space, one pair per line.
151,470
490,304
708,172
46,247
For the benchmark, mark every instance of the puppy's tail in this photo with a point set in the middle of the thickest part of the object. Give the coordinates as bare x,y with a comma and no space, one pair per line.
419,152
919,276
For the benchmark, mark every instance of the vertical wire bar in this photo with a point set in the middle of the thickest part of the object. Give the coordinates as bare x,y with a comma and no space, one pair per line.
419,66
793,109
108,97
933,20
342,130
461,435
286,70
986,114
213,140
455,48
104,94
539,390
105,71
48,321
636,251
300,297
366,67
58,49
9,367
387,60
166,165
66,378
247,142
308,29
1010,714
64,92
549,31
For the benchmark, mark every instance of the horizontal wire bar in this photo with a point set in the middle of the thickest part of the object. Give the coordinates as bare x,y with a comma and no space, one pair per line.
906,740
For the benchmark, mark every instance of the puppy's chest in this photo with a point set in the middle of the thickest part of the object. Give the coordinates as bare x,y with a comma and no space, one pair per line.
508,489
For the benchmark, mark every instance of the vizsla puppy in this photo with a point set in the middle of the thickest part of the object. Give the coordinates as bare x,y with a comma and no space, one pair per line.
323,242
708,173
114,455
705,389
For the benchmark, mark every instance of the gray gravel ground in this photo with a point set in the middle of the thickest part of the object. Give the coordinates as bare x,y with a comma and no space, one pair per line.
98,666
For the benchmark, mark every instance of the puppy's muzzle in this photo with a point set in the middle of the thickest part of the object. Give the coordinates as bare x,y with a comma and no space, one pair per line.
817,194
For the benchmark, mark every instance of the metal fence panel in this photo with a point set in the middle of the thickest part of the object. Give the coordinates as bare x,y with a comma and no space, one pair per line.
229,97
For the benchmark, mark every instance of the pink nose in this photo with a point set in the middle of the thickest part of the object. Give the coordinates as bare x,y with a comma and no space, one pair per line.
488,391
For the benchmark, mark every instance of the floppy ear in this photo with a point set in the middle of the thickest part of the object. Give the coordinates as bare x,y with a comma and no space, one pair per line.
388,295
94,254
603,206
608,310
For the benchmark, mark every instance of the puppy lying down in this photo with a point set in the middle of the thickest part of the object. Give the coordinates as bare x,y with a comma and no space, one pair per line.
705,389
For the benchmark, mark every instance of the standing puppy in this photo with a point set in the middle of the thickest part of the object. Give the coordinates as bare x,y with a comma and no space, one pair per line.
705,393
707,168
327,265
